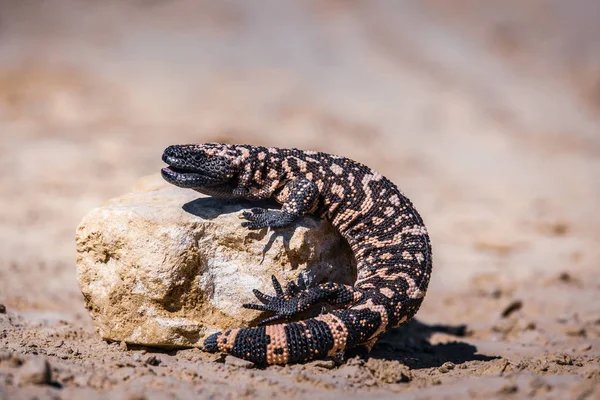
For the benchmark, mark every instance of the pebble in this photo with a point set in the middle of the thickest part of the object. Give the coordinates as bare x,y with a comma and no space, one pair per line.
509,388
563,359
446,367
81,380
134,395
574,330
505,326
35,371
585,347
512,307
151,359
327,364
2,309
238,362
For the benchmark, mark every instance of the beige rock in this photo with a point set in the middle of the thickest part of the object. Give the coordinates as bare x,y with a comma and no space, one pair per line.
165,266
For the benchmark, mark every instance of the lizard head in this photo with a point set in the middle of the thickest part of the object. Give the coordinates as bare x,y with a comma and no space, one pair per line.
210,168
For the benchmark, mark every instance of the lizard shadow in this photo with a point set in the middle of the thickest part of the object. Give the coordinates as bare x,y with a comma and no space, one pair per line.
209,208
410,344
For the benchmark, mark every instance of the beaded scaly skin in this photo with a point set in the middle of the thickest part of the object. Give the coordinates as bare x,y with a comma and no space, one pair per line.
387,235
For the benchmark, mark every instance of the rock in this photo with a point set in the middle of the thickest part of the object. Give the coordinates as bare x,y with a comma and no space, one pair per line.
35,371
165,266
2,309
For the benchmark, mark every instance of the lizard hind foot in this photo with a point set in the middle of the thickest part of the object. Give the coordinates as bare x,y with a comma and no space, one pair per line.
284,304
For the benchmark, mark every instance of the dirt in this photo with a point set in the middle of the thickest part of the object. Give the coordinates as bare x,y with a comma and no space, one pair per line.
486,114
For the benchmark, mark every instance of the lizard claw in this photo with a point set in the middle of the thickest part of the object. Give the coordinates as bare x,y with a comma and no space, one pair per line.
256,218
292,289
283,304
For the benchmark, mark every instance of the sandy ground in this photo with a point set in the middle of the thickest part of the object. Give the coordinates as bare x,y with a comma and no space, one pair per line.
486,114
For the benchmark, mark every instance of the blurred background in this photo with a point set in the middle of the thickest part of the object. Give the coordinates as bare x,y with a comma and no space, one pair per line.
487,114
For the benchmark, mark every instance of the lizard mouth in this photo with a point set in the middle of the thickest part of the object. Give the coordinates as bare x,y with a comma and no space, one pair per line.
178,175
177,170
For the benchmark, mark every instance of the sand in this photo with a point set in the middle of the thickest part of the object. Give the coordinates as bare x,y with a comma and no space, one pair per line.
486,115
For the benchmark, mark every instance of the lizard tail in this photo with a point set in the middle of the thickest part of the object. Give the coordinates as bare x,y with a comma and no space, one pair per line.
324,336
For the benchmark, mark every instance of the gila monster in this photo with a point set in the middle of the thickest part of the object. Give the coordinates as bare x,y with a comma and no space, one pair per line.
387,235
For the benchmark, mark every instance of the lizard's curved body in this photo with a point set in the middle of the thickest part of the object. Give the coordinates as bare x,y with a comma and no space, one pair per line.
387,235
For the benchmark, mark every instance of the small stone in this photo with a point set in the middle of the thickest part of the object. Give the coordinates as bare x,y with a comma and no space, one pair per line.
35,371
238,362
559,228
530,326
124,373
405,375
509,388
591,372
151,359
446,367
584,347
123,345
134,395
539,383
2,309
563,359
81,380
5,355
574,330
505,326
512,307
565,277
15,361
326,364
369,382
137,356
99,380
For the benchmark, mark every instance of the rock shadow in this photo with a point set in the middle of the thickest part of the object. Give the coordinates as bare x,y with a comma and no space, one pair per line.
410,344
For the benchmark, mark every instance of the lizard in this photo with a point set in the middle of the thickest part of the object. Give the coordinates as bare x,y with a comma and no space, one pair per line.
385,232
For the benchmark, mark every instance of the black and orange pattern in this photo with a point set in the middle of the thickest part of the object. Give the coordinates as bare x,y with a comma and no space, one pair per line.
381,225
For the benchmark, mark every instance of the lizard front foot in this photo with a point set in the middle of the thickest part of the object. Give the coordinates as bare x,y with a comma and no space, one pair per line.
259,218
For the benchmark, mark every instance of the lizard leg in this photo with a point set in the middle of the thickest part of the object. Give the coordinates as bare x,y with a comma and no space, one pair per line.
297,298
302,197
